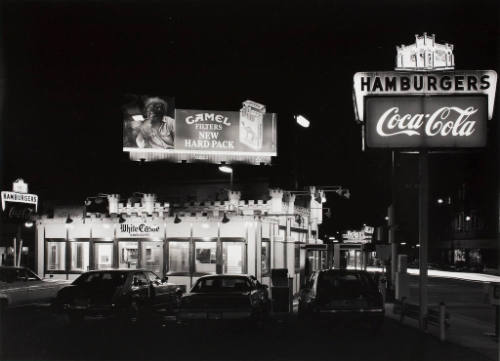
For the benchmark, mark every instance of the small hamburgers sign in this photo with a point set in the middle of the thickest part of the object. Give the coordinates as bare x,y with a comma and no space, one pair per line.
425,103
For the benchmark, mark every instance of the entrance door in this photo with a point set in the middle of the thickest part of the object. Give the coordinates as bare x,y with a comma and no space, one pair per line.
152,256
128,253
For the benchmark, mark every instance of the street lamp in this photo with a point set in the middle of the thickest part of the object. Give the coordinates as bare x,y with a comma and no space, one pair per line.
302,121
227,169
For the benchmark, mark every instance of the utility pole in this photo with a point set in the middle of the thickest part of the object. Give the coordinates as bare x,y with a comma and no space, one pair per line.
423,233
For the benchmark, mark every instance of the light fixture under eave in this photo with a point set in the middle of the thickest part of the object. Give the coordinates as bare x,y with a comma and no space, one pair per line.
302,121
69,220
225,219
121,219
28,224
177,219
225,169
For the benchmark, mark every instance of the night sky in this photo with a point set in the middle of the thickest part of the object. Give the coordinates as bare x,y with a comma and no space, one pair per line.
67,65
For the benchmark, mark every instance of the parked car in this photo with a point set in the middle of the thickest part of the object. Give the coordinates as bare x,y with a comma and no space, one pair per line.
19,286
339,294
225,297
124,294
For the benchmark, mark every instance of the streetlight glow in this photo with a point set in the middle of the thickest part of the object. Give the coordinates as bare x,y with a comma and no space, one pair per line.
302,121
225,169
440,200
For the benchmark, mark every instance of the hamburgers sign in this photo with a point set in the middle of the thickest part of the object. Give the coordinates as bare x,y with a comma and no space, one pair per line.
424,103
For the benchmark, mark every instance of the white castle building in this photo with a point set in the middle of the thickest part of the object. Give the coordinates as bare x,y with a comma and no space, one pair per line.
186,241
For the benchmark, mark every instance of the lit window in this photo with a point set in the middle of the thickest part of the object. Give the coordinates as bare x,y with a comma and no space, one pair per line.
297,257
265,257
178,256
103,253
233,257
129,254
79,256
205,257
56,256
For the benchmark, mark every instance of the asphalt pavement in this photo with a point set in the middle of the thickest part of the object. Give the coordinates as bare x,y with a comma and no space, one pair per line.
36,334
464,298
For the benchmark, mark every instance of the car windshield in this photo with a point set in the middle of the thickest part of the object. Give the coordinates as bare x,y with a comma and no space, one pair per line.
222,284
344,284
102,279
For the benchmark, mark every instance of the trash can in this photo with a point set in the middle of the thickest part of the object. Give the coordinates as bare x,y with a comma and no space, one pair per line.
279,290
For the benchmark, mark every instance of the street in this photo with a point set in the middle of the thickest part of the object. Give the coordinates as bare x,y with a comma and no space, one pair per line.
36,334
462,298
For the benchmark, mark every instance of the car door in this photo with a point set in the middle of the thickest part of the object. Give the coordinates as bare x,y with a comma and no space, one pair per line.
139,289
162,293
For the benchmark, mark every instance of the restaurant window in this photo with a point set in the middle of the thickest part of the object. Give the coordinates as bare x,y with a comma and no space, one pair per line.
79,256
205,256
233,257
128,254
56,256
103,253
178,256
265,257
152,256
297,257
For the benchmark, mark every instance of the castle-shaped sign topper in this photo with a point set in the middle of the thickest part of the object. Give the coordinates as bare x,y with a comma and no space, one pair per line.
424,55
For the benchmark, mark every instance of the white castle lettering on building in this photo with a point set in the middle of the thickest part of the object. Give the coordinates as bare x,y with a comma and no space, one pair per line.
444,121
208,117
141,228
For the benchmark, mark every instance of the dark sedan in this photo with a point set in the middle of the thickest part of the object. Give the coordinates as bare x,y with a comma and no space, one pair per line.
342,295
126,294
225,297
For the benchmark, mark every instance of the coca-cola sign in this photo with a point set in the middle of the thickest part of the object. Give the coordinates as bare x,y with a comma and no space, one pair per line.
426,121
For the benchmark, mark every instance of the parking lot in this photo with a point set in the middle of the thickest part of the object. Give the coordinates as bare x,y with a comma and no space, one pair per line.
36,334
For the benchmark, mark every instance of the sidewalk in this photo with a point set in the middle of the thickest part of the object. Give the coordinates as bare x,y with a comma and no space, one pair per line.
463,331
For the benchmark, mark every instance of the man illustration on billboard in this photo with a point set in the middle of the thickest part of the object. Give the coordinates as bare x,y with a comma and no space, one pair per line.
154,129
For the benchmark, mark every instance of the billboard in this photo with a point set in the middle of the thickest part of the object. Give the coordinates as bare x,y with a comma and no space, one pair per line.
154,131
426,121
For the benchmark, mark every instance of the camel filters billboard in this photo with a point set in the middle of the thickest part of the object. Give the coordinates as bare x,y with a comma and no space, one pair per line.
154,130
424,104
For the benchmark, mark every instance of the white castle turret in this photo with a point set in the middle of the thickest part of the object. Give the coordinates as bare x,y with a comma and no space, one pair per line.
424,55
148,203
276,200
289,203
113,200
234,199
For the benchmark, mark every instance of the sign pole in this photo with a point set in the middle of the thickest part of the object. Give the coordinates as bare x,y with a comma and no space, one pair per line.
392,223
423,231
14,254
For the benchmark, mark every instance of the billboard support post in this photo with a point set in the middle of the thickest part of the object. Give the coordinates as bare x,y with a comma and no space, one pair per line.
423,233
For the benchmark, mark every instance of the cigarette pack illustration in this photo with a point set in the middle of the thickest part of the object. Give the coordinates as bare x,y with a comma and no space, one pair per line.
251,127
